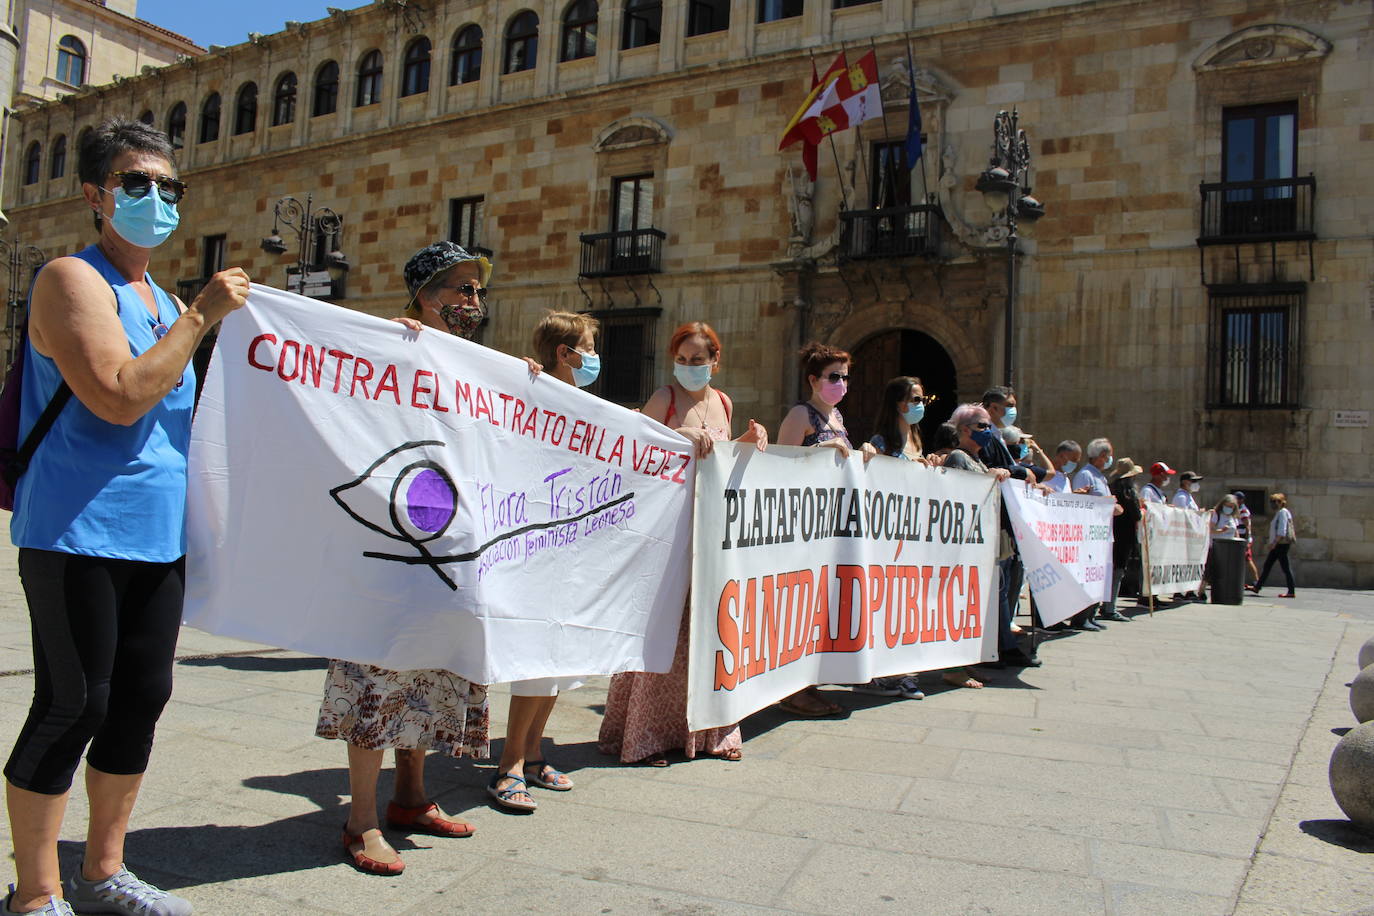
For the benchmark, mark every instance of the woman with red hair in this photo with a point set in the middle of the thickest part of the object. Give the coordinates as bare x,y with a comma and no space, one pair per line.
646,714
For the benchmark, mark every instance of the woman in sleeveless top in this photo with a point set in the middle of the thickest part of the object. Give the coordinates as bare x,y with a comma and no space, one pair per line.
817,422
646,714
99,520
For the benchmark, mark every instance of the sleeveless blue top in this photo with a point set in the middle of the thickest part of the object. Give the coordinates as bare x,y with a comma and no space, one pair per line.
97,488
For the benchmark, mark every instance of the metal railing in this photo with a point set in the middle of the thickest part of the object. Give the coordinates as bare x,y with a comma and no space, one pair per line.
616,254
891,232
1274,209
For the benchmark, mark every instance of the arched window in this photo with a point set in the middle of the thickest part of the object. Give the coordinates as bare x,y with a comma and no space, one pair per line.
33,163
643,22
369,80
415,75
522,42
326,99
246,109
209,119
467,56
58,164
284,99
579,30
71,60
176,125
147,117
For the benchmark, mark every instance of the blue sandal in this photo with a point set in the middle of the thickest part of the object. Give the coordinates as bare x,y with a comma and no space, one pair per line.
506,797
546,777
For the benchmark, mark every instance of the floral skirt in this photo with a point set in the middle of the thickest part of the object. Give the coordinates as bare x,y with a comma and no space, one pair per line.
646,714
376,708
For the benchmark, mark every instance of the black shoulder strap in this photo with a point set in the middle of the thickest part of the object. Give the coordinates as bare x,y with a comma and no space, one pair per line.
60,397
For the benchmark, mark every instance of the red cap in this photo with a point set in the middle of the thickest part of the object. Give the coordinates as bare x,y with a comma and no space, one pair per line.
1160,467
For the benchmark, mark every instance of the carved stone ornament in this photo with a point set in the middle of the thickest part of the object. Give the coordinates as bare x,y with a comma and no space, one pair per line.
628,133
1261,45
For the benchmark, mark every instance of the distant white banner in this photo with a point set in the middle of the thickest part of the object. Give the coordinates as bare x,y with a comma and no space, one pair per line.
364,492
811,569
1174,549
1065,541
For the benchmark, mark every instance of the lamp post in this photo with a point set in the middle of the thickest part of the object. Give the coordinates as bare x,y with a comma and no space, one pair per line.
306,221
1005,188
16,256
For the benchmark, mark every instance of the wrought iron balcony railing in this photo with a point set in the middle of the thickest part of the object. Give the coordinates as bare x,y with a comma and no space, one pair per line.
618,254
891,232
1271,210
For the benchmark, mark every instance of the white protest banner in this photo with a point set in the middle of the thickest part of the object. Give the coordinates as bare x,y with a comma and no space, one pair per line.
812,569
1174,549
1065,541
361,491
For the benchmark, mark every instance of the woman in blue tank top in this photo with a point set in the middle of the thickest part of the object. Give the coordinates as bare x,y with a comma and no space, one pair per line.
99,520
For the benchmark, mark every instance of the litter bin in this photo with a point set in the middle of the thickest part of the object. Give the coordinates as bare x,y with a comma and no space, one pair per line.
1226,570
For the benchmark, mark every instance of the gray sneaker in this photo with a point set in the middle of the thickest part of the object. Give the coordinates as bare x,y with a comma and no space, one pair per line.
123,892
910,686
55,906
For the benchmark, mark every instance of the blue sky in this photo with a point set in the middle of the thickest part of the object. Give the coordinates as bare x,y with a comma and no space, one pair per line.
230,23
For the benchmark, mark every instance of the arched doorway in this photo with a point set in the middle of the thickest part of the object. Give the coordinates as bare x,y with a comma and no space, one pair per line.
887,354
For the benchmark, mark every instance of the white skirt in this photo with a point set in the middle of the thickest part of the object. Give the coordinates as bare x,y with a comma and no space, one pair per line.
544,686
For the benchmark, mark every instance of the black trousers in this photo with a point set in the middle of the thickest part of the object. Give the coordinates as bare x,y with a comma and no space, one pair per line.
1278,554
104,634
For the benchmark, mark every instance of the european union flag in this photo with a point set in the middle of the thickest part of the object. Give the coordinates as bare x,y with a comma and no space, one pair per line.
913,128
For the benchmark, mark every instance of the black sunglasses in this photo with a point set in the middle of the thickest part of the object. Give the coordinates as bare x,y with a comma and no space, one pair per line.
467,289
137,184
837,377
982,426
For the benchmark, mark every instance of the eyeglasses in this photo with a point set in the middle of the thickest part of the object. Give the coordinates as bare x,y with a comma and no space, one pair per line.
837,377
982,426
927,399
137,184
159,332
467,289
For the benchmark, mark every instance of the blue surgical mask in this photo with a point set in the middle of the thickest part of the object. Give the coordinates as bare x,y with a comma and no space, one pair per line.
1227,510
1110,459
144,221
693,378
914,413
984,437
1069,467
1022,452
1009,418
586,373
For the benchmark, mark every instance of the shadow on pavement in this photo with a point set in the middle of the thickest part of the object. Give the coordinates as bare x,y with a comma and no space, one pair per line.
257,663
1340,732
1339,833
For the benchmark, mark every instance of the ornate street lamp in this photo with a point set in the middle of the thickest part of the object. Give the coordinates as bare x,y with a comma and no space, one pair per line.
1006,189
16,256
307,222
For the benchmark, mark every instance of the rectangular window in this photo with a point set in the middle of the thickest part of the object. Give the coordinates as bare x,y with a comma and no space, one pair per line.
890,176
212,255
1259,154
1253,346
632,212
465,222
626,346
706,16
773,10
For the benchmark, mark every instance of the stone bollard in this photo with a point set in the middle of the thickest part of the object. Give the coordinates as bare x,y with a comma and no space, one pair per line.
1362,696
1352,775
1367,653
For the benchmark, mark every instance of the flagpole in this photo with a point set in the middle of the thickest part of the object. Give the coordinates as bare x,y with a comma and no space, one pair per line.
858,127
889,178
839,176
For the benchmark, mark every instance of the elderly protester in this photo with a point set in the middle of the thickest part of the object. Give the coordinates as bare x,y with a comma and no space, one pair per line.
371,708
99,520
1092,479
1067,455
1282,536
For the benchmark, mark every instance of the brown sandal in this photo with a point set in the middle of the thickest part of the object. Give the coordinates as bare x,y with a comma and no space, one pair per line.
438,823
962,678
370,843
733,754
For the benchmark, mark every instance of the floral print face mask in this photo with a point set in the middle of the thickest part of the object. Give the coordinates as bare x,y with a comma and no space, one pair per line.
463,320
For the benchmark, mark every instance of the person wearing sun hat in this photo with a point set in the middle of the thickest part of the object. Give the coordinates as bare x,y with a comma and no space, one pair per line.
1125,537
371,708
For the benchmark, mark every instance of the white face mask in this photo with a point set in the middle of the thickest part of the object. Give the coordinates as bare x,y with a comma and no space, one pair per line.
1194,487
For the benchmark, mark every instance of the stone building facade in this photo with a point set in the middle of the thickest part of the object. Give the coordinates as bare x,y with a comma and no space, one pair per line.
1201,289
50,48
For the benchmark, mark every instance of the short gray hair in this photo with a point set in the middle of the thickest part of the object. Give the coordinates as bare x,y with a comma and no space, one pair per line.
967,415
1068,446
1099,447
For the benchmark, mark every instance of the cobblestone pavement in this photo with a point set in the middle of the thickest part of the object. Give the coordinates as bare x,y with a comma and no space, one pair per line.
1174,764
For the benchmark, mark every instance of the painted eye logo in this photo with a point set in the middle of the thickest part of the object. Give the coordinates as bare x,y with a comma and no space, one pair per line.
412,491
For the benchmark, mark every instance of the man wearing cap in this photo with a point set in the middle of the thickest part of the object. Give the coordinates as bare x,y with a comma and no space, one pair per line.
1159,477
1189,482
